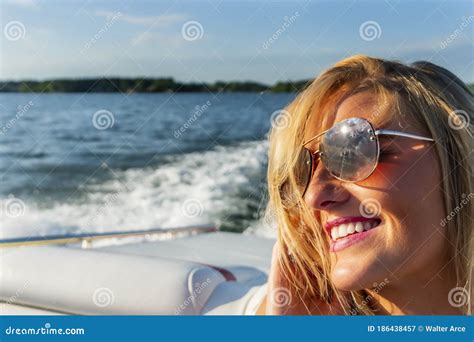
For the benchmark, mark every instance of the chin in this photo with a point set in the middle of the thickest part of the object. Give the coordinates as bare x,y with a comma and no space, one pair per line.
346,281
351,279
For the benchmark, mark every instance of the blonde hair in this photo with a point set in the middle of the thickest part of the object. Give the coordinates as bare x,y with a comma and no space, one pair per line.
436,99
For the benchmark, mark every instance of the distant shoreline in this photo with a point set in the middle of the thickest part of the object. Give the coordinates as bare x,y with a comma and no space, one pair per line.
147,85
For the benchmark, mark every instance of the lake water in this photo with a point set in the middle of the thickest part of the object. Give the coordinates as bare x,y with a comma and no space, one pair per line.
74,163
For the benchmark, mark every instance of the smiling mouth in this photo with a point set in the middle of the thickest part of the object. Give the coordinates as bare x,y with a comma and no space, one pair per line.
350,226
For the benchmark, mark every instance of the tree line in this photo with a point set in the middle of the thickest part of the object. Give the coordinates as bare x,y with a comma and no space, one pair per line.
143,85
146,85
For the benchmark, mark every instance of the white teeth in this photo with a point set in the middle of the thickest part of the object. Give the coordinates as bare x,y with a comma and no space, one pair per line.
359,227
351,228
342,230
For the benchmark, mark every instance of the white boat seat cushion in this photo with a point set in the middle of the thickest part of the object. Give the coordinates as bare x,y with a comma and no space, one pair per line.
93,282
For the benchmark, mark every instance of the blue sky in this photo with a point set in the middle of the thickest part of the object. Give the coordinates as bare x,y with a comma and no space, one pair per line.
144,38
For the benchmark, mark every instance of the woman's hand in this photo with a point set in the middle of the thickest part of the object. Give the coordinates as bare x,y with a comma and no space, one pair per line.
282,300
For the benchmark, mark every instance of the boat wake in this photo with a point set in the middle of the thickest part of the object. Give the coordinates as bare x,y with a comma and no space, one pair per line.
223,186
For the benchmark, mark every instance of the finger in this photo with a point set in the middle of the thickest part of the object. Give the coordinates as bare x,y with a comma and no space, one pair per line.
279,296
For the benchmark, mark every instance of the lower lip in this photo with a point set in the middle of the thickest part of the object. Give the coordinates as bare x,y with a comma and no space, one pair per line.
345,242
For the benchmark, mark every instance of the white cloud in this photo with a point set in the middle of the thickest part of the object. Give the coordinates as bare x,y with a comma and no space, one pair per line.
29,4
142,38
155,21
154,39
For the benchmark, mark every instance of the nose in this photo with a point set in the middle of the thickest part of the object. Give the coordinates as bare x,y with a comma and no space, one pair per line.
325,191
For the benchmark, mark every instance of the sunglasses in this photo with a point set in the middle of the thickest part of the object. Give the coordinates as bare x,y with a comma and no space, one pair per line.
350,151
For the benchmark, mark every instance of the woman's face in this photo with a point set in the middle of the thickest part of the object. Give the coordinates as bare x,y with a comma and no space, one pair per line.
399,207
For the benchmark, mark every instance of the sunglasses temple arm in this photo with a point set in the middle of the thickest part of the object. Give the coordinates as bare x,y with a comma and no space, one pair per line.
401,134
313,138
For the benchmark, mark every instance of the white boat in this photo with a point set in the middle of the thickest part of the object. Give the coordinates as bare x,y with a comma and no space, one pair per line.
187,271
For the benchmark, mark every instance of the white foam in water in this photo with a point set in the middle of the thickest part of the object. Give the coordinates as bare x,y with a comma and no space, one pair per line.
194,188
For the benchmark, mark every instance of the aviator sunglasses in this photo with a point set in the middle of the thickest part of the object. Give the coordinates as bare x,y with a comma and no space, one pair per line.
350,151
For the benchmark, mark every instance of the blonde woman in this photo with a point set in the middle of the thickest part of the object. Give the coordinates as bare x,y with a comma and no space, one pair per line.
370,183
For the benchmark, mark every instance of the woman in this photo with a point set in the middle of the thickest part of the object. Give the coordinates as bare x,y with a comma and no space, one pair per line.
370,183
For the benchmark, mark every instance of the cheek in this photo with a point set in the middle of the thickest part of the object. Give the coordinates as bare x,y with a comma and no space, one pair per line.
410,200
414,196
416,187
420,207
412,184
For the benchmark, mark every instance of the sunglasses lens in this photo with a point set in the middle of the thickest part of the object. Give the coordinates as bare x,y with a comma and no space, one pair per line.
350,150
303,173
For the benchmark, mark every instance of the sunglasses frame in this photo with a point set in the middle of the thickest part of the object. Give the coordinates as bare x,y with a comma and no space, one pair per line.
374,137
